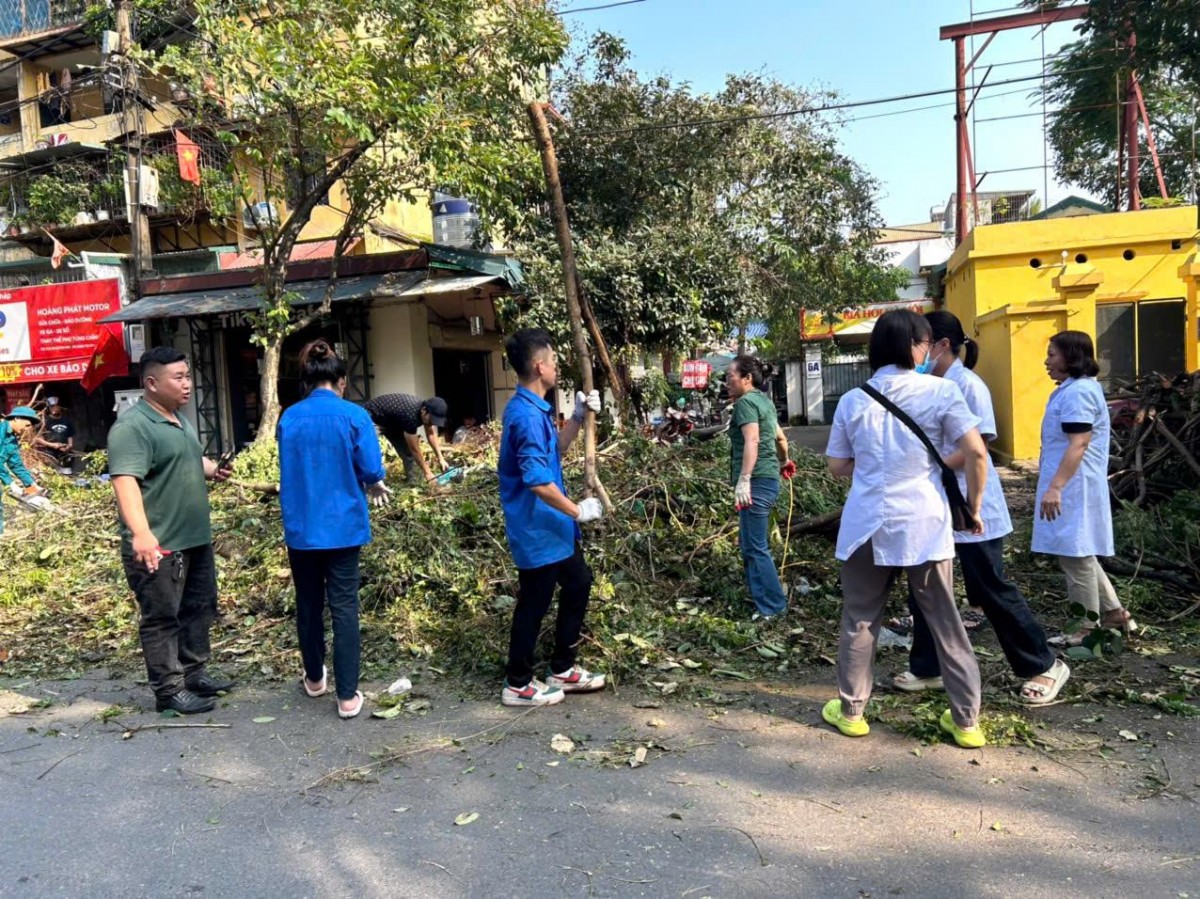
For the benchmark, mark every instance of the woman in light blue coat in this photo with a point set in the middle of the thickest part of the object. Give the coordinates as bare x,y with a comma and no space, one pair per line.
1074,520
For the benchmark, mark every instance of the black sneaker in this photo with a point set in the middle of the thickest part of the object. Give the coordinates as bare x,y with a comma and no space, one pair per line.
206,685
185,702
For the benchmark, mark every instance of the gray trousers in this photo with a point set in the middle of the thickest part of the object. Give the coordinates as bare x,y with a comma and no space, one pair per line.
1088,585
865,589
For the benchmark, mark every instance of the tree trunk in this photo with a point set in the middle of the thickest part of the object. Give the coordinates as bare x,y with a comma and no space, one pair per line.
268,392
562,228
606,363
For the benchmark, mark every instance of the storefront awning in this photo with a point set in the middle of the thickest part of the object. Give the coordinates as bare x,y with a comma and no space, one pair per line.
412,286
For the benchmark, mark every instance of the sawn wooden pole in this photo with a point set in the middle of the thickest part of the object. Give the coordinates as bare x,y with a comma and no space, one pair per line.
562,229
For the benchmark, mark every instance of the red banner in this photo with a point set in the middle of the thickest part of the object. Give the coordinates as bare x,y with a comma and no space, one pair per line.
48,333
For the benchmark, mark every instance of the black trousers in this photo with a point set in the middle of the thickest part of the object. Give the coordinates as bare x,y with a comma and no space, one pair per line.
178,603
328,576
533,601
1020,635
412,471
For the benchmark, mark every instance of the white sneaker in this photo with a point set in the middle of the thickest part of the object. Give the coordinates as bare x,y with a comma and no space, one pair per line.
533,693
576,680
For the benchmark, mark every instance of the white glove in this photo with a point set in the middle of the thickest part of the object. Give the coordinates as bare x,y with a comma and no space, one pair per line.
590,509
379,494
741,493
583,402
16,490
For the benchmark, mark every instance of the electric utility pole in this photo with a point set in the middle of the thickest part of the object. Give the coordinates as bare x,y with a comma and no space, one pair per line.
131,125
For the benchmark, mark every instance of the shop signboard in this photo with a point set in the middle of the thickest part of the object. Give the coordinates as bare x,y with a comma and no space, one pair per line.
48,332
854,322
695,374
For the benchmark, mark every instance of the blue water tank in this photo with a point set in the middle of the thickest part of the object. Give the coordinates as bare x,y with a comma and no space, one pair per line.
455,221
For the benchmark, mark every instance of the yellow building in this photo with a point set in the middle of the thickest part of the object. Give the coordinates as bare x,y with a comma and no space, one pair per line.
1128,279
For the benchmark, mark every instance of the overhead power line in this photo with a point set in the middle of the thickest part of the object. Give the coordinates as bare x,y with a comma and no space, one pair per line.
567,12
828,107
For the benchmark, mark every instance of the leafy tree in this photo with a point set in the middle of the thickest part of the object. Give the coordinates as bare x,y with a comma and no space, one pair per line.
694,212
1088,82
387,98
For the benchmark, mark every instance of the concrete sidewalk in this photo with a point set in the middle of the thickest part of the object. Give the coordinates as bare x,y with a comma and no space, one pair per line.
744,792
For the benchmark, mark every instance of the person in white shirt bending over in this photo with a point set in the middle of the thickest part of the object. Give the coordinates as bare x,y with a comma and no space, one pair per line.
982,557
1074,520
897,516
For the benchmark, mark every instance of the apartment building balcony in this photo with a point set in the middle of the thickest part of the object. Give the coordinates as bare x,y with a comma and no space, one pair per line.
77,191
21,19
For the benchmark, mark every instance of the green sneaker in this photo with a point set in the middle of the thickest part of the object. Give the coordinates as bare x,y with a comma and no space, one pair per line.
832,713
966,737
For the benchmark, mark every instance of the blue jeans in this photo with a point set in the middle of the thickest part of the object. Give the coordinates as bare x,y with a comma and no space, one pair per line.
328,577
762,578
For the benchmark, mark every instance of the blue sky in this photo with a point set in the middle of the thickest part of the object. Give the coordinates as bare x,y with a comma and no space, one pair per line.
864,50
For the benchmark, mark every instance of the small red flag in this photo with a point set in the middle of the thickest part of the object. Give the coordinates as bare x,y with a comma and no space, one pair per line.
189,157
109,359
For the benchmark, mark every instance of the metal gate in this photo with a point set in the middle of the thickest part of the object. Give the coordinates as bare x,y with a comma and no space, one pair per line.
839,378
204,374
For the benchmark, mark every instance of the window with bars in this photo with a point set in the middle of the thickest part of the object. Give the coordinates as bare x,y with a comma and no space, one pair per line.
1135,339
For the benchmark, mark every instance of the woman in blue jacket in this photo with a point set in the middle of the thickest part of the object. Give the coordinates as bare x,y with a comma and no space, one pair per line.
329,462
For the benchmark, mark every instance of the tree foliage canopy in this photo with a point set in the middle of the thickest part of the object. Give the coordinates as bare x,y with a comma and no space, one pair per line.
390,98
694,212
1087,84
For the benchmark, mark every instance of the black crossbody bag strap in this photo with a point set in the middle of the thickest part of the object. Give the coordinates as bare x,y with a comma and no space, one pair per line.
961,517
912,426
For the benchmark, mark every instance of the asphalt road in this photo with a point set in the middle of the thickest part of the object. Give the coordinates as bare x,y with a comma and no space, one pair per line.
743,794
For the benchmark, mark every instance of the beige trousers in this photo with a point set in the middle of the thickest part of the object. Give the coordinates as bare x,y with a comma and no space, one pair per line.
865,589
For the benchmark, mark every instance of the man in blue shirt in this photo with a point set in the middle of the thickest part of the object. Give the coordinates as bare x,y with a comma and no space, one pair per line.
542,525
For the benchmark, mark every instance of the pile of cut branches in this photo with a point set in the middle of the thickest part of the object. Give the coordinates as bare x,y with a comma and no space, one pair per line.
438,582
1154,474
1156,439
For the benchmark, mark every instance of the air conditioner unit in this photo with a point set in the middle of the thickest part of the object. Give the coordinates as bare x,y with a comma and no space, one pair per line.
260,214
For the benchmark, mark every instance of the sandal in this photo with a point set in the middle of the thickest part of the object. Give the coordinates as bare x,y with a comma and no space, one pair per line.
1069,640
352,713
1034,693
1119,620
324,682
850,727
973,621
911,683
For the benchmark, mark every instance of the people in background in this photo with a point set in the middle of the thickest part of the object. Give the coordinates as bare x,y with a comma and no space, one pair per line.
468,431
13,474
158,471
57,439
982,555
542,525
399,416
758,456
1074,515
329,464
897,518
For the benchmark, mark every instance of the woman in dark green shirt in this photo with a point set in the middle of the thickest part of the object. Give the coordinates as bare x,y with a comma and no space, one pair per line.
755,471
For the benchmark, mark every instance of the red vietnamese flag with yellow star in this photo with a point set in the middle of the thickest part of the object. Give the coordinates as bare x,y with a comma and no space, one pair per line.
189,157
109,359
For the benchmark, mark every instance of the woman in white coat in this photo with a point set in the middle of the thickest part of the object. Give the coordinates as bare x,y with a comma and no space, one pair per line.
1074,520
982,556
897,517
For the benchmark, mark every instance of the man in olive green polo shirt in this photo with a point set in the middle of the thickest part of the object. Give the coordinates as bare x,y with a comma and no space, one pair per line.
158,471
